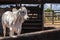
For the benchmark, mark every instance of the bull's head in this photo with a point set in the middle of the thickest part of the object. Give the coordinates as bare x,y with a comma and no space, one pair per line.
23,12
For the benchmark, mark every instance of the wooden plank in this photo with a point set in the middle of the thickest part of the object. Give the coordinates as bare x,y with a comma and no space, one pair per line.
20,1
32,33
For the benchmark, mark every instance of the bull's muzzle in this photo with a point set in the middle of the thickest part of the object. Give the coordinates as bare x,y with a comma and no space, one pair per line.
27,17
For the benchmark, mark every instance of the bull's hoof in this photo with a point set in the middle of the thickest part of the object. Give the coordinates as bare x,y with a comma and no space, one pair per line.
13,36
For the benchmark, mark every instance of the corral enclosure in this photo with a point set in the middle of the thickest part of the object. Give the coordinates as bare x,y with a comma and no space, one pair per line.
52,17
34,23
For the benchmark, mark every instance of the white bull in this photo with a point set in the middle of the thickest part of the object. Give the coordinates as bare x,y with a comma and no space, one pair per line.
13,20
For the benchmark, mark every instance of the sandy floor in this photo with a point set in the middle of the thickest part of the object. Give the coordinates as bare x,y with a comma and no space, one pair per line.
55,25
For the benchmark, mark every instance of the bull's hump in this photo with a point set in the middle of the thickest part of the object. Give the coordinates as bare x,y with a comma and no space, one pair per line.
15,12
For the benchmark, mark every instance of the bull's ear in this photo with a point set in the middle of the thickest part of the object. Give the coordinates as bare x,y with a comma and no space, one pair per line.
19,9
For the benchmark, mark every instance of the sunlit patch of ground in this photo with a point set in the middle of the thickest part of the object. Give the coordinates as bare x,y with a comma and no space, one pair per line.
56,24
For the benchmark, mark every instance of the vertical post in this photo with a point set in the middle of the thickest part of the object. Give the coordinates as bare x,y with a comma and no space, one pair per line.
16,5
40,15
20,5
52,16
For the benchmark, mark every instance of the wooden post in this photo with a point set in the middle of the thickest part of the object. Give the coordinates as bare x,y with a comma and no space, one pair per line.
53,18
40,15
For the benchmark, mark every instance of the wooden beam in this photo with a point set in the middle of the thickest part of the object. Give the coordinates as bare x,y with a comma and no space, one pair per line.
34,35
29,1
20,1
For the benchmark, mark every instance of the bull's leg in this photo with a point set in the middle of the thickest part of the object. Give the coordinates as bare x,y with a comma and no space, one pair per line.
4,30
11,31
16,31
19,31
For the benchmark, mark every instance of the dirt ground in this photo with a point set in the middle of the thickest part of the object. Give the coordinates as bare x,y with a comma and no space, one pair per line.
55,25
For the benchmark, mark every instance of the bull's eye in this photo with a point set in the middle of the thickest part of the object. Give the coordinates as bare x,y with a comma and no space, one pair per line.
23,12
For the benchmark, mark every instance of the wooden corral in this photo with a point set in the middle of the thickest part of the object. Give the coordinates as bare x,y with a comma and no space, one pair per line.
34,24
